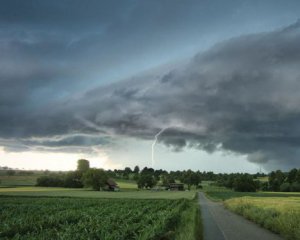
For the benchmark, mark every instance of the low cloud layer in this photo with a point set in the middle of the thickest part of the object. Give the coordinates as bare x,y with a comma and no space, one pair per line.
242,96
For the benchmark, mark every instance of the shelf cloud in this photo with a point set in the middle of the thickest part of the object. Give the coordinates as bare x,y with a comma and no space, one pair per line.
241,95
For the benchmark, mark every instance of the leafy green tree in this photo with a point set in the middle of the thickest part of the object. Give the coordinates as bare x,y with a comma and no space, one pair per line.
83,165
191,178
136,177
292,175
244,183
166,179
196,178
264,186
295,187
298,176
53,180
186,178
136,169
73,179
126,172
285,187
146,180
158,173
276,179
95,178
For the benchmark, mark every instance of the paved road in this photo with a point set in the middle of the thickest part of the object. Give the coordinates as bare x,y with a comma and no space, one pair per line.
221,224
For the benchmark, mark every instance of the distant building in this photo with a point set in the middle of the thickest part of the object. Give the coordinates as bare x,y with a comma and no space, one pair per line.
111,185
176,186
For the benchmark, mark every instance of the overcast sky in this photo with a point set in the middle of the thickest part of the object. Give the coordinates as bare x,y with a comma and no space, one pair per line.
99,79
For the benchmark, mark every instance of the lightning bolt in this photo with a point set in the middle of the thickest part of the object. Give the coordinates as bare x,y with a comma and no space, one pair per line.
153,145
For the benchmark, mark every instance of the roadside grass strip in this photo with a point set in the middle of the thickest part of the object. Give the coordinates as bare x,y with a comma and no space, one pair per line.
278,214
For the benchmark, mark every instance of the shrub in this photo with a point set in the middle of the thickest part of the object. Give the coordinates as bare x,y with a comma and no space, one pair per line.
244,183
95,178
285,187
50,181
295,187
73,179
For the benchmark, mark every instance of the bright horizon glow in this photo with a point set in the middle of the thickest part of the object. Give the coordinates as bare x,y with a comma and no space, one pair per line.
55,161
167,160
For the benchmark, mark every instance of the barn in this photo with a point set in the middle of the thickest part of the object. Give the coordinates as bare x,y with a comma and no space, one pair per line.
176,186
111,185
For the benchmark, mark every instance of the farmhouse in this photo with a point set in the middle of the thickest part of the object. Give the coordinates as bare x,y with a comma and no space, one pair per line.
112,185
176,186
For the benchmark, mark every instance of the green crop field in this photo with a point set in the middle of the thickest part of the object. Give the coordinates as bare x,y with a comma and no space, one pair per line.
278,214
77,218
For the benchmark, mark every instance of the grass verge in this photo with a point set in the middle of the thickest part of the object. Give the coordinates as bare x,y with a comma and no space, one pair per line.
278,214
190,226
222,194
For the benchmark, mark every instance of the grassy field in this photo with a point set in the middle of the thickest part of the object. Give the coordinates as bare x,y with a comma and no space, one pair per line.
68,192
126,184
263,179
7,181
278,214
222,194
78,218
190,224
225,195
17,180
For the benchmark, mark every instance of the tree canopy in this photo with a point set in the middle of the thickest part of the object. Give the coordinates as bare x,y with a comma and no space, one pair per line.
95,178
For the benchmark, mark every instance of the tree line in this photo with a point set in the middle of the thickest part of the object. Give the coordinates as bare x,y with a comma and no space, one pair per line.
12,172
277,181
147,178
84,176
284,182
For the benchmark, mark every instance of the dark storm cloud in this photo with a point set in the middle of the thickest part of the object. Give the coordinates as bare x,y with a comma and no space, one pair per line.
241,95
73,140
65,143
53,49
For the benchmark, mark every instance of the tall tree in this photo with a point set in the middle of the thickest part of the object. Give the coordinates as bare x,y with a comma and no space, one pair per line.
146,180
136,169
276,179
73,179
244,183
126,172
95,178
292,175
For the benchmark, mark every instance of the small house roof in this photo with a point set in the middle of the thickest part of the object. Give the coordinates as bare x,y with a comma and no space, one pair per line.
111,182
176,184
